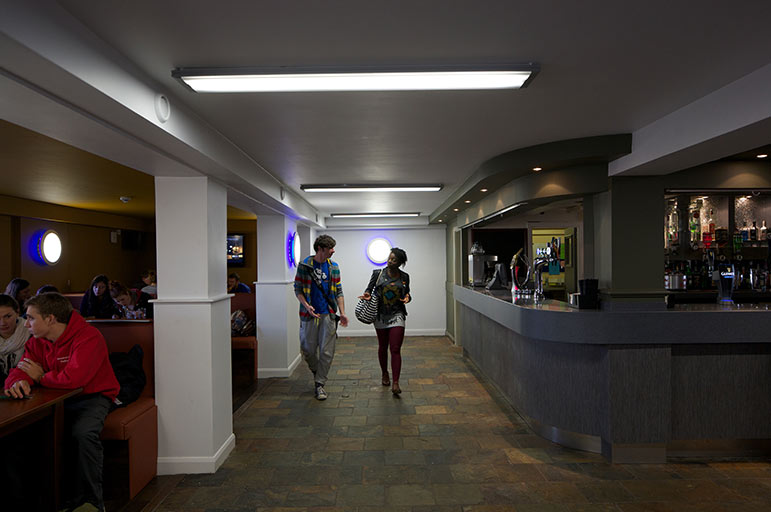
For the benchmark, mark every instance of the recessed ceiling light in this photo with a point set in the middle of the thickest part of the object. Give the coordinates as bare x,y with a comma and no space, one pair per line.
763,155
440,220
467,201
324,78
455,209
371,188
536,169
363,215
483,190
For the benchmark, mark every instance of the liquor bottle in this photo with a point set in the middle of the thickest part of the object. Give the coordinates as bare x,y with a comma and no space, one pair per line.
754,232
745,232
708,230
763,234
695,226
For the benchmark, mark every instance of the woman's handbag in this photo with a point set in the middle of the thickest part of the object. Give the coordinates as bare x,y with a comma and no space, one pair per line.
366,310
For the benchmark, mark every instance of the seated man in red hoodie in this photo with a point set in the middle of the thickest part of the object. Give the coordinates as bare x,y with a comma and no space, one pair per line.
65,352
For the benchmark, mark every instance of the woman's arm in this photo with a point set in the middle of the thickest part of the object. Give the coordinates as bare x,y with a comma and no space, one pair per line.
372,281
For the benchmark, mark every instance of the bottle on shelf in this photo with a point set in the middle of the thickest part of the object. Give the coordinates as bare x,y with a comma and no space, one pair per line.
695,224
745,231
708,230
763,232
675,226
753,232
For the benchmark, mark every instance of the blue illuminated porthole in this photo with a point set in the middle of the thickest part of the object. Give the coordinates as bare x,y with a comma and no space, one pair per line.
46,247
293,249
378,250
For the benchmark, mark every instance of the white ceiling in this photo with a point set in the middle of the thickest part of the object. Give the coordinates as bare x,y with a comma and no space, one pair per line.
606,67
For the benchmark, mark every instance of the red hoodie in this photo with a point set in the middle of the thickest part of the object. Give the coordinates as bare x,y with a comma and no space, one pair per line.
77,359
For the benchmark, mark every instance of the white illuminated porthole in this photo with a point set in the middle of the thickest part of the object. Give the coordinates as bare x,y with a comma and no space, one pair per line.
50,247
378,250
296,249
293,249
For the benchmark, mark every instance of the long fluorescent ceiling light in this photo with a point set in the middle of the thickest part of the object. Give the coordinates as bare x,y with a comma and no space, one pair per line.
406,78
371,188
369,215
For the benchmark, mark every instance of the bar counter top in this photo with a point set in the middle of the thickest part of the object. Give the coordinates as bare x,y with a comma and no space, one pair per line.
557,321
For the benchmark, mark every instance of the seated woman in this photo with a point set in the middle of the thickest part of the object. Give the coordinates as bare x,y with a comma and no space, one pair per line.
19,289
151,286
132,304
13,335
97,302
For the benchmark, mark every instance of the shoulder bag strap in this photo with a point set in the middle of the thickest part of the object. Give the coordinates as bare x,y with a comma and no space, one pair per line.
317,282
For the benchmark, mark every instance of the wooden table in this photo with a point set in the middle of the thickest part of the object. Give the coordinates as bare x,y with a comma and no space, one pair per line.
46,405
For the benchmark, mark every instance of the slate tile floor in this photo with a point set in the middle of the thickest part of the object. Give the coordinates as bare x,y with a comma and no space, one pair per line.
449,443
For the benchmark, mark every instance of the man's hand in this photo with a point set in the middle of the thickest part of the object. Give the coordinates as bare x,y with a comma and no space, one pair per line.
366,296
343,320
31,368
19,389
406,298
310,309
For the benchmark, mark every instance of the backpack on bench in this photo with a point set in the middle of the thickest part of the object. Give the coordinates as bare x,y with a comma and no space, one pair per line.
130,374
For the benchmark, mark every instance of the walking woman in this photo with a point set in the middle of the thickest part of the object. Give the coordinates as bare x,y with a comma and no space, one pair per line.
393,285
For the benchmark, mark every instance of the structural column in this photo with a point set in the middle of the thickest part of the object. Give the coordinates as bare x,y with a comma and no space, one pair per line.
192,327
278,320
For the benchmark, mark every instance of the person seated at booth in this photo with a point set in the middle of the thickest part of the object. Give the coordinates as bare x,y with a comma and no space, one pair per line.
13,335
97,302
151,285
65,352
47,288
235,285
19,289
132,304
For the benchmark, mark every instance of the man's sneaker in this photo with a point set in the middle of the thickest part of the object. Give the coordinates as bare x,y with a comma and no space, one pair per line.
320,393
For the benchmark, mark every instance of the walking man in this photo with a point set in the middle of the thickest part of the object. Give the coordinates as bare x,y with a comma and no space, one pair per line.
317,286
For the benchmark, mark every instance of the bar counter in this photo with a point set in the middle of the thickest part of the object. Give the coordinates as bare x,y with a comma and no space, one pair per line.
637,386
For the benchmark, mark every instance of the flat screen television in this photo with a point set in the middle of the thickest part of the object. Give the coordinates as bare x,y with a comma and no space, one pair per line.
235,250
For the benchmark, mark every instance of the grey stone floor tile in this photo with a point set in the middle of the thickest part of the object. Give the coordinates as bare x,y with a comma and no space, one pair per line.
449,443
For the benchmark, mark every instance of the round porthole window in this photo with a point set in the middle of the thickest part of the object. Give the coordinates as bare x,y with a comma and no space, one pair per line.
293,249
378,250
50,247
296,249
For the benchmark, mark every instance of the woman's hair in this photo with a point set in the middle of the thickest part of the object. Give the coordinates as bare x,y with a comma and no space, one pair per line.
52,303
401,256
16,285
101,278
47,288
117,289
8,301
148,273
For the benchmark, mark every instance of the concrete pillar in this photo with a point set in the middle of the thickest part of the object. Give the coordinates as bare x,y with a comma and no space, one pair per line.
278,320
192,327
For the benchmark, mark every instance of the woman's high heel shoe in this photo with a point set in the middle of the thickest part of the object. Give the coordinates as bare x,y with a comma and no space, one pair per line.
396,390
386,380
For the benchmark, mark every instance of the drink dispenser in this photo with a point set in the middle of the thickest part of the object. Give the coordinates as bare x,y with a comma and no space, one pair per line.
726,282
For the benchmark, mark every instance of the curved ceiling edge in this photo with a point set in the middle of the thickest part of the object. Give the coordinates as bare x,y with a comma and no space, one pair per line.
502,169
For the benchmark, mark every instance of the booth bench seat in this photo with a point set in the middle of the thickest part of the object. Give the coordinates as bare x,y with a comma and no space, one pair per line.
245,302
137,423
